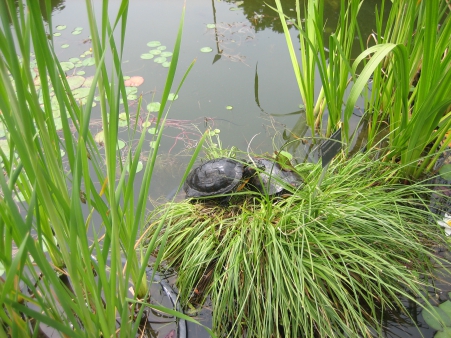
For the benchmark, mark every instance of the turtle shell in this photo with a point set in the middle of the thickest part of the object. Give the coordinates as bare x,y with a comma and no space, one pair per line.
215,177
271,178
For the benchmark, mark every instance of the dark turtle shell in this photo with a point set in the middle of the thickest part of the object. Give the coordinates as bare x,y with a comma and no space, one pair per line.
215,177
271,178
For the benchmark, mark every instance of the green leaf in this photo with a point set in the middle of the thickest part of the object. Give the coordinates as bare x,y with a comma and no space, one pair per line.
211,25
445,172
154,43
206,49
172,97
153,107
160,59
432,319
66,65
146,56
446,333
61,27
166,54
155,52
65,45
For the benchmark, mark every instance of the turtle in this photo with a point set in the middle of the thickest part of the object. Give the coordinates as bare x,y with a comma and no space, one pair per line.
270,177
215,177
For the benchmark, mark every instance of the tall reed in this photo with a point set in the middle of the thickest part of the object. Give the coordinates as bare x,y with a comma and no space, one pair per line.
66,218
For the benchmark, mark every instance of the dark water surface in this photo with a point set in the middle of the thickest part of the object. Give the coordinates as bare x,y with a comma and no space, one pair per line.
249,69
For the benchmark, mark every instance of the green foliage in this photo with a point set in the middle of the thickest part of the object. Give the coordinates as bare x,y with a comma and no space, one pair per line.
326,263
67,217
409,65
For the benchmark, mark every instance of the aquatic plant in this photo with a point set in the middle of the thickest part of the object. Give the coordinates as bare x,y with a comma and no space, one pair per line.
326,261
63,244
409,66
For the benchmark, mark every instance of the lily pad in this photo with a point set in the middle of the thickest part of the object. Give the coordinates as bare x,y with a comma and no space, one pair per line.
58,124
139,167
446,333
445,172
76,32
80,72
146,56
233,8
160,59
152,144
65,45
211,25
88,82
431,318
120,144
172,97
152,131
154,43
57,34
134,81
229,107
132,97
206,50
161,48
123,116
166,54
74,60
100,137
78,28
122,123
131,90
4,146
155,52
66,65
146,124
61,27
166,64
153,107
89,61
75,81
80,93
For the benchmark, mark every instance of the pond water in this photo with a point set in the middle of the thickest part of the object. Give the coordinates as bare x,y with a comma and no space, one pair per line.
248,70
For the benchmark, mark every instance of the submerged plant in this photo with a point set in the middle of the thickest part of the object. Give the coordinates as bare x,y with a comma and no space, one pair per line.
326,261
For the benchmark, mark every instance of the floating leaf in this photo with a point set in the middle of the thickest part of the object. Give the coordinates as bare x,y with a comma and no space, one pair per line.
57,34
139,167
80,72
153,107
93,104
4,146
58,124
61,27
75,81
239,3
97,98
160,59
161,48
78,28
445,172
146,56
431,318
122,123
88,82
134,81
229,107
62,152
65,45
66,65
123,116
100,137
166,54
166,64
120,144
172,97
446,333
89,61
76,32
233,8
155,52
80,93
152,131
146,124
126,77
132,97
211,25
154,43
131,90
74,60
206,49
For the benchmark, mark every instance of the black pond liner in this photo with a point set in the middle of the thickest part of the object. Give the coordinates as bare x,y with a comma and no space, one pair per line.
172,295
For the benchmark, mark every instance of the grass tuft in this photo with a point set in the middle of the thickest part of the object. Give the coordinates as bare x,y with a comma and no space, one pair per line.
325,263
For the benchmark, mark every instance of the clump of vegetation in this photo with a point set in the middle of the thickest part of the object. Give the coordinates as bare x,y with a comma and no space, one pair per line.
326,260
